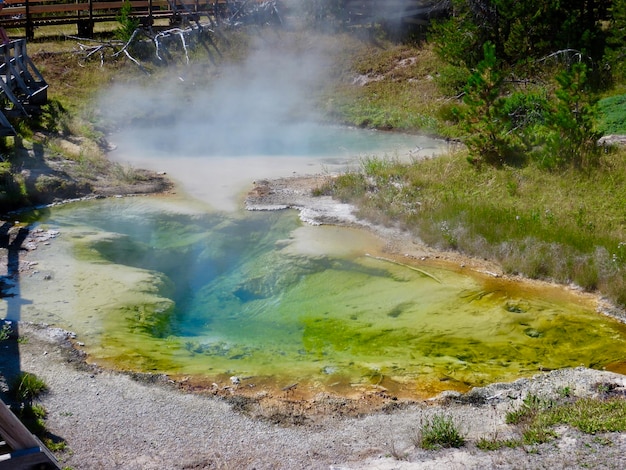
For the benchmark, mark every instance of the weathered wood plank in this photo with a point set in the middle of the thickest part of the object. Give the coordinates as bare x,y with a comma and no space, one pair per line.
25,459
13,431
84,13
20,439
35,8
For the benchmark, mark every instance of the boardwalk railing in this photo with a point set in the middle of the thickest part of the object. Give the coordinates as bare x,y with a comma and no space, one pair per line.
21,84
19,449
30,14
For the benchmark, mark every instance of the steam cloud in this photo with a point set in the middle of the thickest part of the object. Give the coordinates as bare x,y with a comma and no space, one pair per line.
247,124
260,107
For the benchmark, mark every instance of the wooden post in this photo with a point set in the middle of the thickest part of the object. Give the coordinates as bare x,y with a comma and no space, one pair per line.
84,25
30,29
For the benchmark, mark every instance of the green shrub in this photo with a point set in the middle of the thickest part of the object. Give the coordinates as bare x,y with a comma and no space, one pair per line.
450,112
440,432
450,80
27,387
128,24
526,109
570,137
489,138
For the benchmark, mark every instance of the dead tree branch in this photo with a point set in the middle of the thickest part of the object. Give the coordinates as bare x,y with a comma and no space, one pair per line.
567,55
260,13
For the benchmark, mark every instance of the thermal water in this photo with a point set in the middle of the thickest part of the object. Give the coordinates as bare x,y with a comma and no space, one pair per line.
169,285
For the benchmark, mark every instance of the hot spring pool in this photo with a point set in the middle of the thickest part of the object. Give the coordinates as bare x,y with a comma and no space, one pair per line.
165,285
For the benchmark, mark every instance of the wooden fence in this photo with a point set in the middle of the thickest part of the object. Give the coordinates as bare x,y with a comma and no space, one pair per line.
31,14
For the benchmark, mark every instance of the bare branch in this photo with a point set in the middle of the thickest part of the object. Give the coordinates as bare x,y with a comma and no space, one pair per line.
568,54
124,49
249,14
143,69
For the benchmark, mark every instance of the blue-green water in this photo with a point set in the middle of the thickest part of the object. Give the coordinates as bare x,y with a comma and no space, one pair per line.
293,139
158,285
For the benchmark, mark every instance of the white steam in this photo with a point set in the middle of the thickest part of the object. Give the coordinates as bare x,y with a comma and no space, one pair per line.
260,107
255,120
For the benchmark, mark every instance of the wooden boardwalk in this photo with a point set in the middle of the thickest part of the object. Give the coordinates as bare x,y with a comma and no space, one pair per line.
22,86
32,14
19,449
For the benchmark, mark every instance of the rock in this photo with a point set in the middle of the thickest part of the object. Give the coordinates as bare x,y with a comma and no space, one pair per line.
449,395
613,139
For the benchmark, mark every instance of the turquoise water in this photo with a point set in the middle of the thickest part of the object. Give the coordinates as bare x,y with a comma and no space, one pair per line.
274,140
158,285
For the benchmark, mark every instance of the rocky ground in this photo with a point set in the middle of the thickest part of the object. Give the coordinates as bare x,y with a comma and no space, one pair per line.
113,420
78,169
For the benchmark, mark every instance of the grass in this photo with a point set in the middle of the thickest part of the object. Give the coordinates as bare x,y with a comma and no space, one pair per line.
33,416
565,392
439,432
613,114
537,417
76,78
591,416
5,331
391,86
565,226
27,387
496,444
24,390
70,124
406,97
568,226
